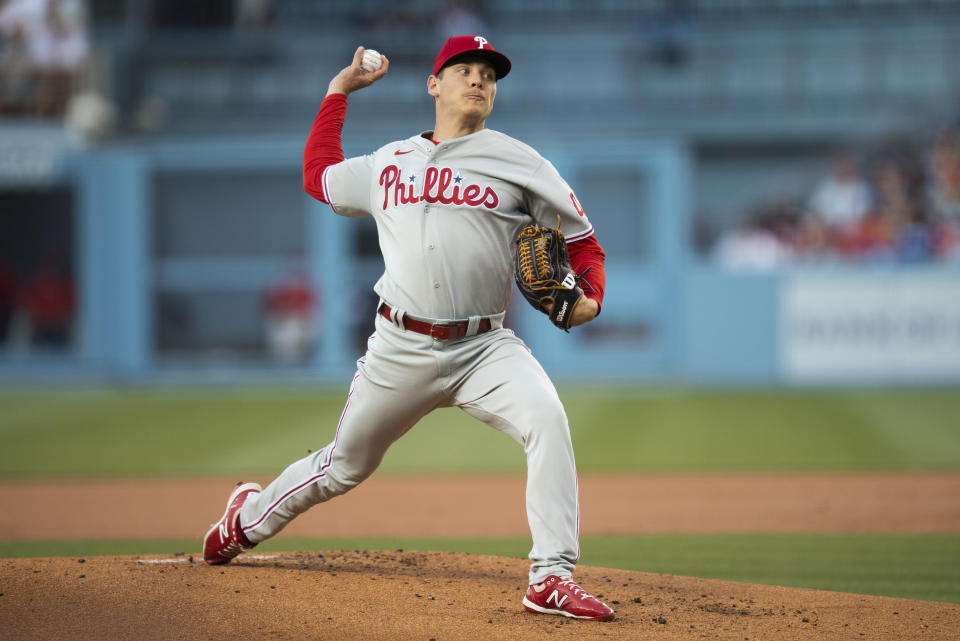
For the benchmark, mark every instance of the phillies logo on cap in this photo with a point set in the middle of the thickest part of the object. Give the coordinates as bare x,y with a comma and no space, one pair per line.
461,47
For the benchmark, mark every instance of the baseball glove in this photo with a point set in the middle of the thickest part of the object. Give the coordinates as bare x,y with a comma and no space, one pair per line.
543,272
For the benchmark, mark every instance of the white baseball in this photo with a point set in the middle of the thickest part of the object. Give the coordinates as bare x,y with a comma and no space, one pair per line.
371,60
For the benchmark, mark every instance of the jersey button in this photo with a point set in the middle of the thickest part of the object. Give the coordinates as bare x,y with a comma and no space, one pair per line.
436,285
431,245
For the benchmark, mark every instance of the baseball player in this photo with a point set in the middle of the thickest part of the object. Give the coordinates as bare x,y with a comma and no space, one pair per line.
447,204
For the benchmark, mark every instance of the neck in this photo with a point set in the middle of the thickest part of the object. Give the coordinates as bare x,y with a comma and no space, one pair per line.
447,129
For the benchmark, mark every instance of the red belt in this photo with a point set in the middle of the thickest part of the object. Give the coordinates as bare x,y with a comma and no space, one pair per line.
440,331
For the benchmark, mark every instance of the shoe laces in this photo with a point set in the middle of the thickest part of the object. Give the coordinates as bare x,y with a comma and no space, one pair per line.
232,549
575,589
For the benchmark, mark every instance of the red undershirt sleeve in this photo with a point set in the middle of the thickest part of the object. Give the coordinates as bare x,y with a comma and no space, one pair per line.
324,147
584,253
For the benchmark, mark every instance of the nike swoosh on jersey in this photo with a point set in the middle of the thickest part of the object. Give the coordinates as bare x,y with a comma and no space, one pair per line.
400,153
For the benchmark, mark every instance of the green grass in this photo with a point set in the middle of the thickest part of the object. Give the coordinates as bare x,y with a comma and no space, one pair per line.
168,432
914,566
216,432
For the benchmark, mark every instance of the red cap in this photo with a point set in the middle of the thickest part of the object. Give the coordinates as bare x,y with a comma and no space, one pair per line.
462,46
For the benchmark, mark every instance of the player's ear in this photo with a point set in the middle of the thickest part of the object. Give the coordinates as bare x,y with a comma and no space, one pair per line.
432,86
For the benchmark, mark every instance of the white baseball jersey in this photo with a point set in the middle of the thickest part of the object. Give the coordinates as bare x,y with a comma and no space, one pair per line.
446,214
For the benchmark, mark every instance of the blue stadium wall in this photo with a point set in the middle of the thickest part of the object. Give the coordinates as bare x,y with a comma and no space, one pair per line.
669,316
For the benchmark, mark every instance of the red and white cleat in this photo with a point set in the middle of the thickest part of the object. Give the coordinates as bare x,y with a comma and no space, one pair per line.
566,598
224,540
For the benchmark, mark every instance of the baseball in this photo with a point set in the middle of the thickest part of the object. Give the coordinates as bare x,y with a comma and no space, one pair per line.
371,60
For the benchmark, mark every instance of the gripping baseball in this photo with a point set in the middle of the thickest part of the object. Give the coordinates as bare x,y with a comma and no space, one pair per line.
359,73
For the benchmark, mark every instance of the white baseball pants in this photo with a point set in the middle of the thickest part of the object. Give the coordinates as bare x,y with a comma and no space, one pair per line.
404,376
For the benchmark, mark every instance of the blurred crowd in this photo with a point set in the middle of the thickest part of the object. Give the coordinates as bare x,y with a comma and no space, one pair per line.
44,45
898,205
37,308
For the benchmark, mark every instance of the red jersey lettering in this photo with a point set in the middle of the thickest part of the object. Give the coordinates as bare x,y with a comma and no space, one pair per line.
388,178
439,186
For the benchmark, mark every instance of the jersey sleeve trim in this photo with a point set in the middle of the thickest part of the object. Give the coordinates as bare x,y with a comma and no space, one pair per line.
572,238
325,189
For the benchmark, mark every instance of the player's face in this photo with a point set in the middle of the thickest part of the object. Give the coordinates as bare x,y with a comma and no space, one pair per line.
465,88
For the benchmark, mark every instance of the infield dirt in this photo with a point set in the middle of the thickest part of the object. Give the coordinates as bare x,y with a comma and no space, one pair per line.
418,596
401,595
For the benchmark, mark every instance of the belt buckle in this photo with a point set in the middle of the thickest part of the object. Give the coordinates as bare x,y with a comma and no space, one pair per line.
434,327
448,329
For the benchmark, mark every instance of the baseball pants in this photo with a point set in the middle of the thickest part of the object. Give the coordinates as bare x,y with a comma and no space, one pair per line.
405,375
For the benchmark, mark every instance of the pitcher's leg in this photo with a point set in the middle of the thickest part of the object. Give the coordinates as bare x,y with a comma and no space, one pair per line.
373,418
511,392
552,495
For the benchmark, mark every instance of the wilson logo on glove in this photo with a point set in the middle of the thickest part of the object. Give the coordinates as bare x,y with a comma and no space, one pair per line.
543,273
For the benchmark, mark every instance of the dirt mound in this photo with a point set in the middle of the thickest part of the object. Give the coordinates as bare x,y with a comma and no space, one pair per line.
419,596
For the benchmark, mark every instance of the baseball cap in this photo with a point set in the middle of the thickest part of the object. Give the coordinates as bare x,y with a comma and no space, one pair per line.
462,46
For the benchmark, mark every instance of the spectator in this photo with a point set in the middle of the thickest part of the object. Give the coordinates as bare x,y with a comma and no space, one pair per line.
943,181
908,211
943,196
49,48
899,215
59,49
870,238
915,243
755,245
894,199
20,15
48,298
290,328
8,299
17,76
945,238
843,198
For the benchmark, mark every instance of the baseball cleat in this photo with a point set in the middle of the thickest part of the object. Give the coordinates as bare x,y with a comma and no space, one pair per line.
224,540
566,598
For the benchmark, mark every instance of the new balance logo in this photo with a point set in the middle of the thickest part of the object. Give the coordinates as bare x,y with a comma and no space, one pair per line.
224,532
557,599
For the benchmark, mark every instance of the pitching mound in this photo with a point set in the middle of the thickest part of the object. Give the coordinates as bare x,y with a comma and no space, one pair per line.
419,596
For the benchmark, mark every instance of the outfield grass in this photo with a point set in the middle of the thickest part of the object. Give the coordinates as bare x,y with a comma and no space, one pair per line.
129,432
914,566
216,432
